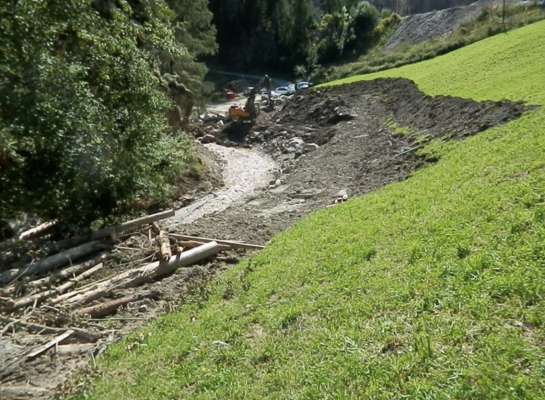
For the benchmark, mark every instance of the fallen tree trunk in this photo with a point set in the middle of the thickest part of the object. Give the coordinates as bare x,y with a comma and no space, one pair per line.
32,327
60,276
63,258
110,307
191,244
38,231
112,231
38,297
147,273
230,243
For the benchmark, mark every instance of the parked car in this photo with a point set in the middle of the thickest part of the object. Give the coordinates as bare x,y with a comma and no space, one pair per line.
301,85
284,90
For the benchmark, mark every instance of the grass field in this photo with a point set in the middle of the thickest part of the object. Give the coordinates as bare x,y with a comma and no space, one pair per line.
432,288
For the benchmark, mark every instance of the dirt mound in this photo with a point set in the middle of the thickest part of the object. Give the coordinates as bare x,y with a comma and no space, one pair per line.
389,120
394,106
419,28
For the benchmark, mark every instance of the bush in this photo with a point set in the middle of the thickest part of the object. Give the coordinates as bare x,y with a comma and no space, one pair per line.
83,130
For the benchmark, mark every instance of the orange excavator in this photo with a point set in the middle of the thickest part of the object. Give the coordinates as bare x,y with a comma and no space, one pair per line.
246,114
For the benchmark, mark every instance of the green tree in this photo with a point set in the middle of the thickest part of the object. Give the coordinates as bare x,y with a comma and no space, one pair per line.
83,129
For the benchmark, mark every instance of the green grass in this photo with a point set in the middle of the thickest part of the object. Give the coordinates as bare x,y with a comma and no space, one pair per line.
433,288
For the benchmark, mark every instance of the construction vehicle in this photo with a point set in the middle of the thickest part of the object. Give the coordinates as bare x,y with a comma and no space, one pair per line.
246,114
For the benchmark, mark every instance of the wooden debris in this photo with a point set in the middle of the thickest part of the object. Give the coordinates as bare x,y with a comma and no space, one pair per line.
43,348
163,242
63,258
60,276
32,327
110,307
191,244
230,243
38,231
38,297
114,231
147,273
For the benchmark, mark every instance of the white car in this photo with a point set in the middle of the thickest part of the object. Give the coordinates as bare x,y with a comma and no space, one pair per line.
284,90
302,85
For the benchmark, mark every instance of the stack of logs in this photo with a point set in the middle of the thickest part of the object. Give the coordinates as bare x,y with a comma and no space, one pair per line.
58,281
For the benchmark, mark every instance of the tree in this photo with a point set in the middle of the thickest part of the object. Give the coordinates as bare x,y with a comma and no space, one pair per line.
83,130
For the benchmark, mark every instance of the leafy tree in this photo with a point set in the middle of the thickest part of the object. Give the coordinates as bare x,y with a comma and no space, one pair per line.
83,129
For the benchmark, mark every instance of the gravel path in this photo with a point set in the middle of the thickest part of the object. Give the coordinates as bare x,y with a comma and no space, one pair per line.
245,172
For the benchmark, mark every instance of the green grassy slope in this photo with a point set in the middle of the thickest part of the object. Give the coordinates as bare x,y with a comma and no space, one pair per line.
432,288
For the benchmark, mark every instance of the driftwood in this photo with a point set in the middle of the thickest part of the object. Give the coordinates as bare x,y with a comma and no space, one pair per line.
110,307
43,348
38,297
230,243
32,327
147,273
38,231
63,258
57,277
112,231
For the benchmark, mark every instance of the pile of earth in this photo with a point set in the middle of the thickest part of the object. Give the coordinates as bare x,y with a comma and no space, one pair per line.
420,28
354,138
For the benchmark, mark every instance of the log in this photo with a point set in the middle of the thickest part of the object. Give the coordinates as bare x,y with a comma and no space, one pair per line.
114,230
110,307
43,348
164,246
39,297
230,243
63,258
191,244
60,276
38,231
32,327
147,273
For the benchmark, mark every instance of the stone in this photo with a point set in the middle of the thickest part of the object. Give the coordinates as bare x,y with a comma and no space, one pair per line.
208,138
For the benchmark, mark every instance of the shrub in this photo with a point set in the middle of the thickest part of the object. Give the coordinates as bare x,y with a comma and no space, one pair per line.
83,130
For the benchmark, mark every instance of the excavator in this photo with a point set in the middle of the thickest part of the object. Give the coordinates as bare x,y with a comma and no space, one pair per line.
246,114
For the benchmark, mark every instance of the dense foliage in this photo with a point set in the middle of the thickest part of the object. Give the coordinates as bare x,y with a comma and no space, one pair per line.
294,33
83,129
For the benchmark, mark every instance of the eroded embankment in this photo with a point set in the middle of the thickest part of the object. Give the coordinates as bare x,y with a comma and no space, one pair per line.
354,138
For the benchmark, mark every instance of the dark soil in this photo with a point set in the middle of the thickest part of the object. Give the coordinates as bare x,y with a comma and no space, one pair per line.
354,138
